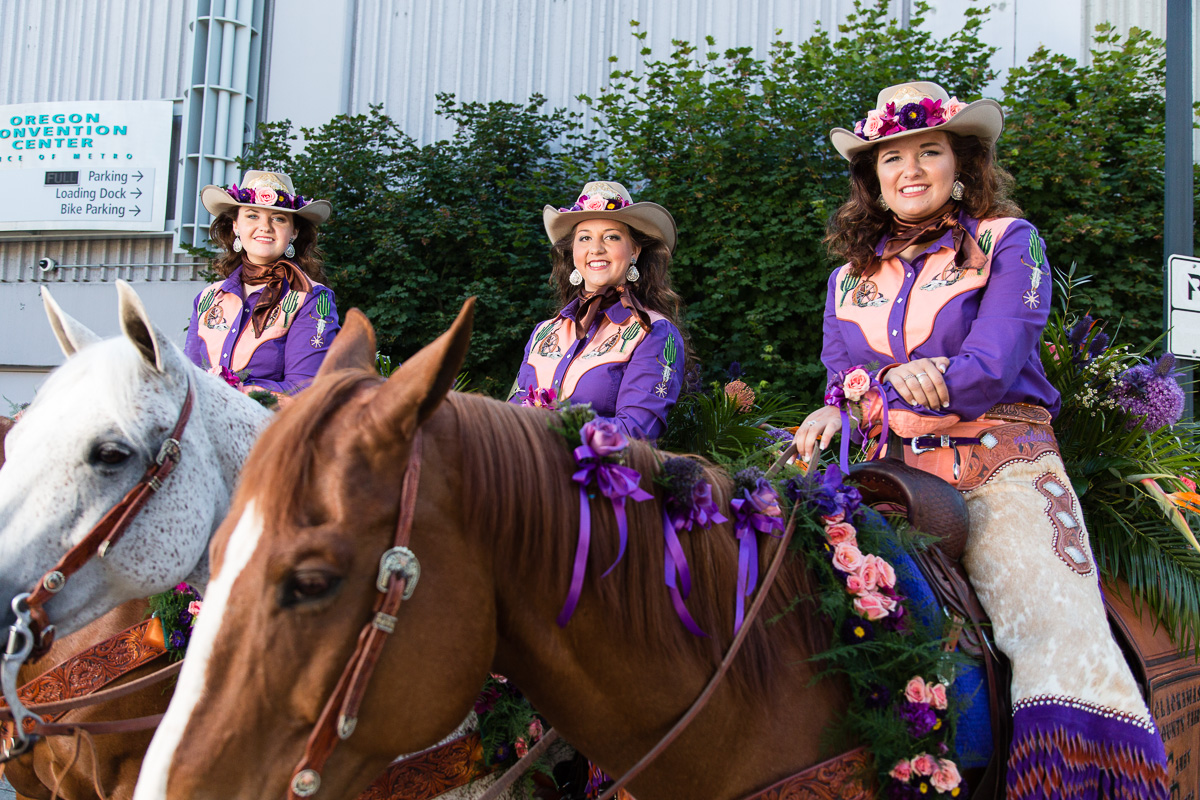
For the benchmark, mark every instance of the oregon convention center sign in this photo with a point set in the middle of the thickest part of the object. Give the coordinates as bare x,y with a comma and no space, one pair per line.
89,165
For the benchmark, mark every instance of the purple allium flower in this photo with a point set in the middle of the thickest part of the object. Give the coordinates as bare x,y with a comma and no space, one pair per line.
1150,394
775,436
879,697
1079,331
692,382
1099,344
681,474
919,717
913,115
735,370
747,480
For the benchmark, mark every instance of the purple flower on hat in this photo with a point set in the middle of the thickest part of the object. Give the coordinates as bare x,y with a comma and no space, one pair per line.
913,116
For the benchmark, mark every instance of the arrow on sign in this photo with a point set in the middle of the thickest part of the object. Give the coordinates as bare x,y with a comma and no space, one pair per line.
139,175
136,193
1193,284
136,211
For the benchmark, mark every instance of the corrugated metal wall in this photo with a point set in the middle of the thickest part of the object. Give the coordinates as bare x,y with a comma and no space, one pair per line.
102,259
407,50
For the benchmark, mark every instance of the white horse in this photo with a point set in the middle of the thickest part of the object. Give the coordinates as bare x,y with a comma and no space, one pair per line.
88,437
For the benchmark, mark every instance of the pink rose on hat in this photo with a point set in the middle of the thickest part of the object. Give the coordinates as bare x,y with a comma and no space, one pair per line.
594,204
952,107
874,124
946,776
857,384
265,197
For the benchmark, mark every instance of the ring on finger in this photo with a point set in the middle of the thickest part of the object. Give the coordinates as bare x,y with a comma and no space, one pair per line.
924,376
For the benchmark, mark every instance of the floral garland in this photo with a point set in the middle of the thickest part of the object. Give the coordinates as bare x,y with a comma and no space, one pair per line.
688,504
177,610
600,201
508,725
755,510
267,197
923,113
847,391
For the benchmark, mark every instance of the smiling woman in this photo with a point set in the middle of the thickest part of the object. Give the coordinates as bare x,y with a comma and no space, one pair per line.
616,343
268,324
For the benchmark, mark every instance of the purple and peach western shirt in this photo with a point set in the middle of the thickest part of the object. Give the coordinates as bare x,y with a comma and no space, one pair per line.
628,374
286,357
989,322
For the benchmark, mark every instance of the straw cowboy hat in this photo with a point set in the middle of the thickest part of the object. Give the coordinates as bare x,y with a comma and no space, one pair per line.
261,189
610,200
908,108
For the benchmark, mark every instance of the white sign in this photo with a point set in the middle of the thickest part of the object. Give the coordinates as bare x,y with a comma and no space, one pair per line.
93,165
1183,303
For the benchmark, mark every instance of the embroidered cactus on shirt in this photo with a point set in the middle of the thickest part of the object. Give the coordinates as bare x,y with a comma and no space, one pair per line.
289,306
323,309
667,362
985,242
847,285
1031,298
206,301
628,334
542,333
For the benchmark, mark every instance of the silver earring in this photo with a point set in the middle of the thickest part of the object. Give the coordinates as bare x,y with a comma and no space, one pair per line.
576,277
290,252
632,273
237,244
883,203
956,191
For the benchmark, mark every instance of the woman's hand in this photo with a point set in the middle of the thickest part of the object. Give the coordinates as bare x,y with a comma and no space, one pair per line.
822,424
920,382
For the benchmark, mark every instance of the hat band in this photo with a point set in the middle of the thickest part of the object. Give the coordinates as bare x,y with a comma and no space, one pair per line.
598,203
267,197
924,113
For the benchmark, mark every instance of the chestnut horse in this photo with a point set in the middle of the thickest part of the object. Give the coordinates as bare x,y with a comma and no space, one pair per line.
495,530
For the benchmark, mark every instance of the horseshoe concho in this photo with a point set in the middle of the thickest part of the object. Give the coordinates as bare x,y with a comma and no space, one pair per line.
399,561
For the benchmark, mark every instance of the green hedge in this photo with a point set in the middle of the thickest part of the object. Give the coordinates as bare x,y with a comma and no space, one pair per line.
736,147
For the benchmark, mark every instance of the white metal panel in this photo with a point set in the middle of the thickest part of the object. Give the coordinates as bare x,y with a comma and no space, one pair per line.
66,50
406,51
95,259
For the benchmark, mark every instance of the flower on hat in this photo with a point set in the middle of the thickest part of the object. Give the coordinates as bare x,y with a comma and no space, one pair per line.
592,203
265,197
914,115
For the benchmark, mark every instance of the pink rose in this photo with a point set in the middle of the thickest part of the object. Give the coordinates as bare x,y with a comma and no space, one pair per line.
841,532
914,692
887,573
946,777
937,695
265,197
535,729
854,584
857,384
952,107
194,607
833,519
924,764
847,557
594,204
603,436
873,125
520,747
902,771
869,573
871,606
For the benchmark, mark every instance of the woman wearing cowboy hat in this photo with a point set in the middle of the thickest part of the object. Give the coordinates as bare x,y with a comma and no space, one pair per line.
616,343
949,288
269,322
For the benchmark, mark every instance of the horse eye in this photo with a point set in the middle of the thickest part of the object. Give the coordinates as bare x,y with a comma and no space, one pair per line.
305,586
110,453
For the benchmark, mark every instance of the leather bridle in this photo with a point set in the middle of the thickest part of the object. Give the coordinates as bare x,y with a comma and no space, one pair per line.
31,635
396,581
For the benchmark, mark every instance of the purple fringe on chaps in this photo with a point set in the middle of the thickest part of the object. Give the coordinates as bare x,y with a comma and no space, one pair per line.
1062,749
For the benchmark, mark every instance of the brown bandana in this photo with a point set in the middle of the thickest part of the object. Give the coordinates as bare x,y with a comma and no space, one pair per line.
274,276
905,234
599,302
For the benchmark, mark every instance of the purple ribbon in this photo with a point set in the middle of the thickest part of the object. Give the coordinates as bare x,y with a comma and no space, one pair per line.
703,512
749,521
843,405
615,482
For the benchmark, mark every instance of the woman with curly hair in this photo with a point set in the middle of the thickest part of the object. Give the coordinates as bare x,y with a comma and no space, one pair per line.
944,296
267,324
616,343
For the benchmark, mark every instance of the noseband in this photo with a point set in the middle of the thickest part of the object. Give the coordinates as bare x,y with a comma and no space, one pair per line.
398,574
32,635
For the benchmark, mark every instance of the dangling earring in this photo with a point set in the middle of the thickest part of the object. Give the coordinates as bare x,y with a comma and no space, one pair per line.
290,252
632,273
957,189
883,203
237,244
576,277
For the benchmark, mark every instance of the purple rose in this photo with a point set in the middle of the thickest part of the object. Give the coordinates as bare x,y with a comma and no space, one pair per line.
603,436
764,499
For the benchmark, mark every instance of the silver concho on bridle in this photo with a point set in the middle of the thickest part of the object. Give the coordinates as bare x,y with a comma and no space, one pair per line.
399,561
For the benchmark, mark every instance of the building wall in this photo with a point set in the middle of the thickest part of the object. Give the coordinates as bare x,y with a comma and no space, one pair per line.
64,50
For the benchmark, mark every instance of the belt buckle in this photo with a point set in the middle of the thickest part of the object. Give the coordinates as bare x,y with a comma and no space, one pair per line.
917,449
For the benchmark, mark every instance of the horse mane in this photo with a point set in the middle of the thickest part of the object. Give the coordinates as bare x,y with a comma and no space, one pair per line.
513,453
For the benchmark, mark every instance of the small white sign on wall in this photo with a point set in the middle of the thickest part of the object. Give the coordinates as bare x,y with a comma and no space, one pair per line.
1183,307
95,165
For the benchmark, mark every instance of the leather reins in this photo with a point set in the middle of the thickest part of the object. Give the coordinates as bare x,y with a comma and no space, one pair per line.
32,635
396,581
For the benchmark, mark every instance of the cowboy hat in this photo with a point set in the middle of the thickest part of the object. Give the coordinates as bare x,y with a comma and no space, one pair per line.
260,189
610,200
908,108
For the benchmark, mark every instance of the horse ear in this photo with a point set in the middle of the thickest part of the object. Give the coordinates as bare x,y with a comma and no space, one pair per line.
423,380
72,334
354,347
136,325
